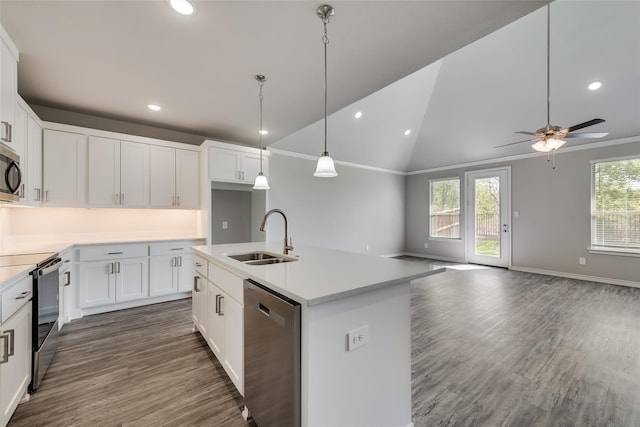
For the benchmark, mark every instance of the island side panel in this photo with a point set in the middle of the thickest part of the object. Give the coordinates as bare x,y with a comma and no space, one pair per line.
371,385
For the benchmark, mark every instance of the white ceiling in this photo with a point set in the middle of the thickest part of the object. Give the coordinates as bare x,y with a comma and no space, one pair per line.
112,58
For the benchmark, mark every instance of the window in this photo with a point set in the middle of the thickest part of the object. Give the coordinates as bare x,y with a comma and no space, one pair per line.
615,203
444,208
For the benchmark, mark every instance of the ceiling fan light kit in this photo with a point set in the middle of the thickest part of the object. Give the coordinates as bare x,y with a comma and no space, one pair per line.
325,167
550,138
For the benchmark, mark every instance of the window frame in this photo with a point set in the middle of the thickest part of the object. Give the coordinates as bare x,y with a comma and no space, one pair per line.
460,226
600,248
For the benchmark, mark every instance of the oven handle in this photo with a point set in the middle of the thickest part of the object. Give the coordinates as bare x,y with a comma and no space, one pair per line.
51,268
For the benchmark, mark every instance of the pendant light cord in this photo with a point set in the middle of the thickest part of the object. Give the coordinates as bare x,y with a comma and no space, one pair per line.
325,41
261,83
548,66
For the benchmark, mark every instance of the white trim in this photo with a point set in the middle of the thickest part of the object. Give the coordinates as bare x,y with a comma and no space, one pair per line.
615,159
338,162
444,239
391,255
436,257
27,108
233,147
597,279
580,147
603,250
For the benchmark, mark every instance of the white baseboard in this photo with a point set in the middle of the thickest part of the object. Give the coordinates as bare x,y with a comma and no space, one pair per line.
392,255
577,276
436,257
129,304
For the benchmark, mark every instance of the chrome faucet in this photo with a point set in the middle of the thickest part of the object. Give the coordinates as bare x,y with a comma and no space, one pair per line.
287,244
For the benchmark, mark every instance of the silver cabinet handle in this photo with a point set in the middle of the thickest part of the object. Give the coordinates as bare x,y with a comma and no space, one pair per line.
174,262
198,264
6,131
179,261
117,267
22,191
12,341
36,195
46,195
67,278
110,268
23,295
220,313
196,280
5,353
178,200
114,253
218,304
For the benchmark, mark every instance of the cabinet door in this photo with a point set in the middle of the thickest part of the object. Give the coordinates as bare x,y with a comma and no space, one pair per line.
251,167
215,308
134,174
199,301
185,272
234,341
224,165
64,168
162,176
163,275
97,285
15,373
104,171
34,159
9,91
20,147
187,179
132,279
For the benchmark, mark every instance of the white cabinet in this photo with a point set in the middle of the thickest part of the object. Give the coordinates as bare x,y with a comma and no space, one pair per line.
20,147
113,274
228,165
173,178
170,268
218,314
15,351
8,88
118,173
64,166
28,144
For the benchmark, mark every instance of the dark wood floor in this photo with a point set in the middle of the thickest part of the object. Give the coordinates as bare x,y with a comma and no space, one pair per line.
491,347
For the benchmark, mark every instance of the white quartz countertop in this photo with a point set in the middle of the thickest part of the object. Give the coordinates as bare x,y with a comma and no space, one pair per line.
9,275
319,275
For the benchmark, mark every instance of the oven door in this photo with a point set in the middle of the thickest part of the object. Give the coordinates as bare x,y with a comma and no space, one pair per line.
45,320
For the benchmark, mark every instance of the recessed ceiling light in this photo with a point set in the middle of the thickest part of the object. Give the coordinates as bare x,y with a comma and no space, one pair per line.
595,86
263,131
183,7
358,114
407,132
154,107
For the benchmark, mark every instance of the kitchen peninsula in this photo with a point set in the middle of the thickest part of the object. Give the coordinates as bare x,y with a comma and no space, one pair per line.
342,296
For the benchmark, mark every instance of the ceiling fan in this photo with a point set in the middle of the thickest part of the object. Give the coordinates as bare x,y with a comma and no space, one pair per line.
551,137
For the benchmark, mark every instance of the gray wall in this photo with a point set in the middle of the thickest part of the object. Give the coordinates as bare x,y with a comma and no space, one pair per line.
553,228
234,208
358,208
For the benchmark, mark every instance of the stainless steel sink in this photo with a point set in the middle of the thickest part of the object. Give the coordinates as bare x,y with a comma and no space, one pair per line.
253,256
261,258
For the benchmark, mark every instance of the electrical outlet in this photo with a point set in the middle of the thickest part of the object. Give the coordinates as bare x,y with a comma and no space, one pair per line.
358,337
582,261
225,225
516,214
366,248
426,245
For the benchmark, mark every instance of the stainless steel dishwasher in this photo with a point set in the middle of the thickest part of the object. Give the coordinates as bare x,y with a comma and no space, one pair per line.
271,357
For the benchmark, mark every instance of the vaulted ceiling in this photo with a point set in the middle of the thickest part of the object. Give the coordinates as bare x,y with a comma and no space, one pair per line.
461,75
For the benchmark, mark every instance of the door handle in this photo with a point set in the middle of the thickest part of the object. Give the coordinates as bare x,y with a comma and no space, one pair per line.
505,227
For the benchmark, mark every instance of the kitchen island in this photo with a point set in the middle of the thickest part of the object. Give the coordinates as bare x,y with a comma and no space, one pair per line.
343,296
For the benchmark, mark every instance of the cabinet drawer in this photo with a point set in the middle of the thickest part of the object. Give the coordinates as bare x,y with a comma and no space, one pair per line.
200,265
227,281
168,248
15,296
92,253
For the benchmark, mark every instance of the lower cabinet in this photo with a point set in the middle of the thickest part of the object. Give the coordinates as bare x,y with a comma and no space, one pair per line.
170,268
218,315
15,360
107,282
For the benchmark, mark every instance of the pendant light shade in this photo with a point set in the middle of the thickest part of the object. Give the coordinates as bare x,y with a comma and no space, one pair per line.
325,167
261,180
548,144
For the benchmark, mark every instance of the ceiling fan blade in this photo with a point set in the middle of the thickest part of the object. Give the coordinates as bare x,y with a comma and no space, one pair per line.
525,132
583,125
514,143
587,135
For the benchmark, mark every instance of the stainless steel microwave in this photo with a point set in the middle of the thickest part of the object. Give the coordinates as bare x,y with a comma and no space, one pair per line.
11,176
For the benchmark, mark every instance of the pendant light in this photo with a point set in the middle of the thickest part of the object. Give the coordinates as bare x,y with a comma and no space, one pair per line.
261,180
325,168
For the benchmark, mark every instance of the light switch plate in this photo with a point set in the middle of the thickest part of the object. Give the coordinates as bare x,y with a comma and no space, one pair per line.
225,225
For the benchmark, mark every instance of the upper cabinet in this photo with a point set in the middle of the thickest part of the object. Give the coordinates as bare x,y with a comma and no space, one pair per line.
232,163
8,88
64,167
118,173
173,178
28,144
